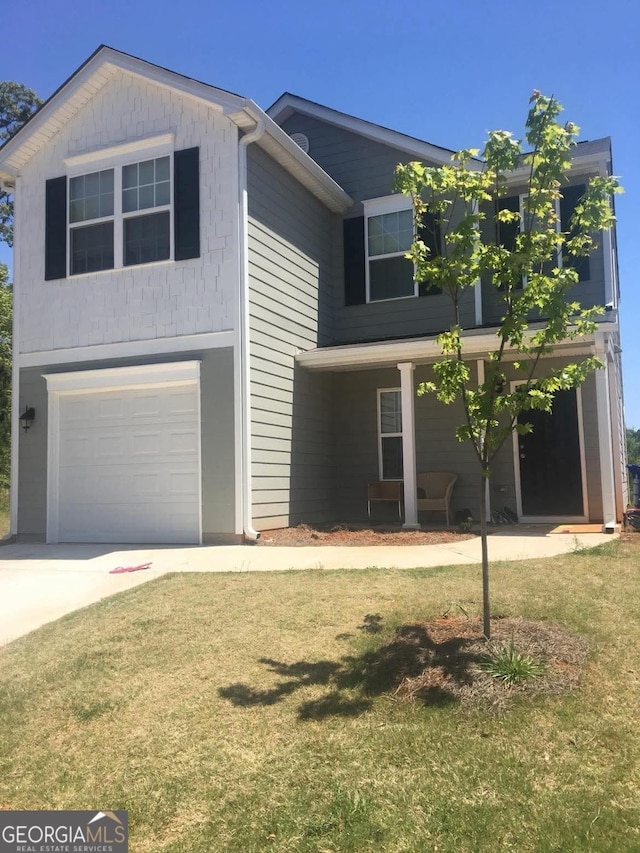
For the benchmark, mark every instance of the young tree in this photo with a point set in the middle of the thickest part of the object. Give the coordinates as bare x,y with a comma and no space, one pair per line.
454,197
17,103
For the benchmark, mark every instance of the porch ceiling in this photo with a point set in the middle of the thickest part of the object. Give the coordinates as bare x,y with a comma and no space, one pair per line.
476,345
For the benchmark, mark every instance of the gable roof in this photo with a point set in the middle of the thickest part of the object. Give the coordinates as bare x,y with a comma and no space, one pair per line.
288,104
105,62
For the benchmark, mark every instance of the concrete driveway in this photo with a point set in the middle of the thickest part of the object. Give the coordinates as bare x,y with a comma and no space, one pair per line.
40,583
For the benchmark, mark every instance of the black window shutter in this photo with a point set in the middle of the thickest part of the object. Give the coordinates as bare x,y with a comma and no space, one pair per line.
186,197
354,260
431,236
55,229
570,198
509,230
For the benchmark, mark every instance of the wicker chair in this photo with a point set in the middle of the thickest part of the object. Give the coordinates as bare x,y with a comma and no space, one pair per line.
386,490
437,487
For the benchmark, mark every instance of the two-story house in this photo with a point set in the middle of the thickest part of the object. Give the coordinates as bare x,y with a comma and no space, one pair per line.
214,340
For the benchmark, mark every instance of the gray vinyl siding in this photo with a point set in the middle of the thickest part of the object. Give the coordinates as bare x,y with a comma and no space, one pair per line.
293,241
356,443
362,167
217,441
32,458
365,169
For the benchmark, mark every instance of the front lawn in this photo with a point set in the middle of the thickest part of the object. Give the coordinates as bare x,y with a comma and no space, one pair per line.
237,712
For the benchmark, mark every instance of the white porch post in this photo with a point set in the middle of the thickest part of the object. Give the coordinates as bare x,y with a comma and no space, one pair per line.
407,397
605,441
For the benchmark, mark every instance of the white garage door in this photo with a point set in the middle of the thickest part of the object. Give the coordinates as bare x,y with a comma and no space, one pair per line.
129,465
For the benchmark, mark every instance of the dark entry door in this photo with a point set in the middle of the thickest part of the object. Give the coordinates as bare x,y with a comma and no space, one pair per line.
550,471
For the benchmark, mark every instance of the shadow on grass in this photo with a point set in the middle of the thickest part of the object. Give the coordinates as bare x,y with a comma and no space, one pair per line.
409,654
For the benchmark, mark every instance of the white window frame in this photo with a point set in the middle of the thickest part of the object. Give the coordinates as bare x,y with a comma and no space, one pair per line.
117,158
382,435
377,207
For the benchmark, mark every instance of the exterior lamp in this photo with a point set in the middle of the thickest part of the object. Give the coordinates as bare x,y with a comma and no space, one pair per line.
27,418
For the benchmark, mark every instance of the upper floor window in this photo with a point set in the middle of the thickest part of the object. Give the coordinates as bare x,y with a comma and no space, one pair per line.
133,213
108,205
375,247
507,232
389,238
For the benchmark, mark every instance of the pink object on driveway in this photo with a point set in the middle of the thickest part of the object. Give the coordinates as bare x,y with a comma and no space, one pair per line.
120,570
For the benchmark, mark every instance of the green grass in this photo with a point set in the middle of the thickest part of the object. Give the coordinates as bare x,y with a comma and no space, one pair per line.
240,713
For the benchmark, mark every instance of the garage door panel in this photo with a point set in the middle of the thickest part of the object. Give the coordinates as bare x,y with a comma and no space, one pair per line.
132,524
129,465
105,444
115,483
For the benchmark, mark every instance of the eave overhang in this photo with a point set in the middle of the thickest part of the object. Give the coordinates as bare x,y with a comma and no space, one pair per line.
104,64
288,104
476,345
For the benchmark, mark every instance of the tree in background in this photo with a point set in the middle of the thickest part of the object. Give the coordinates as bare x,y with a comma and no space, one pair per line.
450,200
17,104
633,446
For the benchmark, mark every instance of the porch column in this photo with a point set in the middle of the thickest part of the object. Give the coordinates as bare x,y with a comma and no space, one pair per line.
407,397
605,442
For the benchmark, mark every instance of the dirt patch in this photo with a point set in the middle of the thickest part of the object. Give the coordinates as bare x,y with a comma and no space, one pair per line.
442,661
305,534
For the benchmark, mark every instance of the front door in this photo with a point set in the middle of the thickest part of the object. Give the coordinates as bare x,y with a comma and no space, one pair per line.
550,467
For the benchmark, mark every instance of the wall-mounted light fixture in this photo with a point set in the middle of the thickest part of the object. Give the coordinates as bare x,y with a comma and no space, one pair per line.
27,418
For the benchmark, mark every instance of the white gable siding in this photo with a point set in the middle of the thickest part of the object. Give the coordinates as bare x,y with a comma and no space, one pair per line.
133,303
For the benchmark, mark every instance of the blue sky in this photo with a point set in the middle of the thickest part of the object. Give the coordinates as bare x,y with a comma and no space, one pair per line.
444,72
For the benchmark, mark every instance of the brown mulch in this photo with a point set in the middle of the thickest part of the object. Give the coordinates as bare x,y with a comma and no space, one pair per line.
440,661
341,534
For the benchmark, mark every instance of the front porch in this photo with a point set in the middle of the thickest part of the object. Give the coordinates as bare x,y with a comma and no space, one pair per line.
382,431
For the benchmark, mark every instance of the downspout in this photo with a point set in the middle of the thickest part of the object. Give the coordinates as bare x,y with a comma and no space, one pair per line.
245,366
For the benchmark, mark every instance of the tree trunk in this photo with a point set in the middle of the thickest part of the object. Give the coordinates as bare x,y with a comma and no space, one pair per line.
486,606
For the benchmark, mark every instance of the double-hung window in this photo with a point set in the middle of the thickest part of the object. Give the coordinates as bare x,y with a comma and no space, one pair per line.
120,217
119,208
146,186
390,434
91,219
389,235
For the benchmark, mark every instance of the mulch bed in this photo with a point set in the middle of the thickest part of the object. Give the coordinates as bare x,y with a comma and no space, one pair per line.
439,662
341,534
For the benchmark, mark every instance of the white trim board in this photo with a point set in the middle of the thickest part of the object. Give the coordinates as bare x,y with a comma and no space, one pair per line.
126,349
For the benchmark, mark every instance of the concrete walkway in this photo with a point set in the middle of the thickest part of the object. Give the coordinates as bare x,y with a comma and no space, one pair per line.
40,583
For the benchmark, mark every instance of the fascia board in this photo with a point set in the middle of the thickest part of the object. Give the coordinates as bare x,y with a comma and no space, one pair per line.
593,160
379,354
287,104
285,151
81,86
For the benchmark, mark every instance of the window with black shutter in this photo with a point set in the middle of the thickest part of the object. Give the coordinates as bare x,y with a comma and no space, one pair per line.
121,216
570,198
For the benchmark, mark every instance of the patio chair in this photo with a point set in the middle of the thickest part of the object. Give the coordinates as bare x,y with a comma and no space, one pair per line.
386,490
434,491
